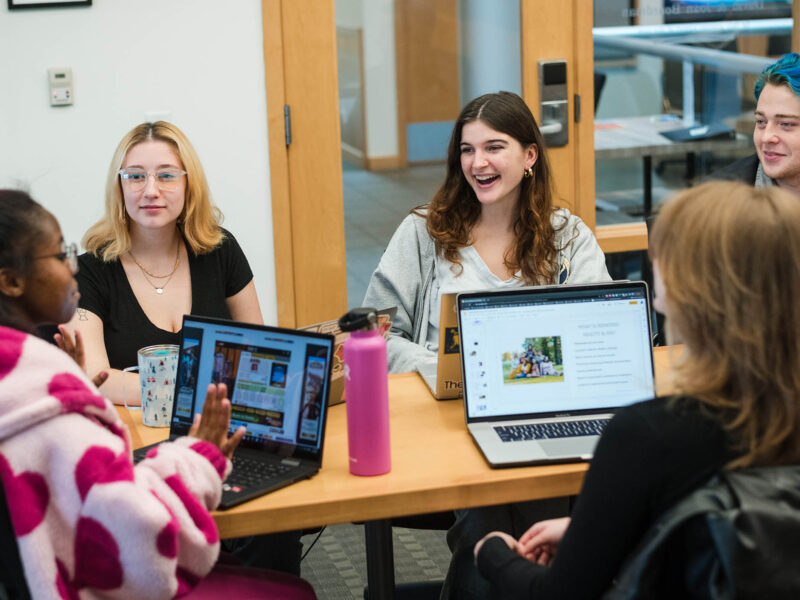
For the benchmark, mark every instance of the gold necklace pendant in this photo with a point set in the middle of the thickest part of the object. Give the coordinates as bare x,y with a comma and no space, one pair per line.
147,274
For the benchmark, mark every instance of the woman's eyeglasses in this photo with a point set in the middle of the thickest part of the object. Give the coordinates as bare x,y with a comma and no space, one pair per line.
68,255
136,179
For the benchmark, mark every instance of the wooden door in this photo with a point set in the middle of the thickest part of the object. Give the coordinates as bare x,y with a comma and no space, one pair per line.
306,175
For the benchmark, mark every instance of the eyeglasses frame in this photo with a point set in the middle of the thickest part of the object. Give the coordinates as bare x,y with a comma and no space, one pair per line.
68,255
147,175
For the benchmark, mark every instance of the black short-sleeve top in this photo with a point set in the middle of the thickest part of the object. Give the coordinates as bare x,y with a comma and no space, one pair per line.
106,292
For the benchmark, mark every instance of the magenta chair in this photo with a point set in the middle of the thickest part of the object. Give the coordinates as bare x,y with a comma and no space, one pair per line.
244,583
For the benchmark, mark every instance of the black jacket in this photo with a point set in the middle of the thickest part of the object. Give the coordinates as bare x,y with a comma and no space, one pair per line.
742,170
738,537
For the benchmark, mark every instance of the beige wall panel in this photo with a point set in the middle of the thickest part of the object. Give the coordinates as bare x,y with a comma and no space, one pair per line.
430,46
796,27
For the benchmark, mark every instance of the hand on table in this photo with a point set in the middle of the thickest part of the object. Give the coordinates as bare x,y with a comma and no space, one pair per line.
74,347
212,425
540,543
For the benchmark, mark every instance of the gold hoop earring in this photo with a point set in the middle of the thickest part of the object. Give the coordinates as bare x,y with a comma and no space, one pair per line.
528,172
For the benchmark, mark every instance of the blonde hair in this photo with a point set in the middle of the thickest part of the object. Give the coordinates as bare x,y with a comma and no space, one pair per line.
729,257
199,221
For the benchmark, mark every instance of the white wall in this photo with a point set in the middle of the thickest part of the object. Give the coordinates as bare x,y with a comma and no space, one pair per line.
200,62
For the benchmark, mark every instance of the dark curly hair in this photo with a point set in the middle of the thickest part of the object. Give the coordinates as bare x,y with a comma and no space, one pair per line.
455,209
21,219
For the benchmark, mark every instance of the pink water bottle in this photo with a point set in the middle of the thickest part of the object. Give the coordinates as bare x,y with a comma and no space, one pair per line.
366,387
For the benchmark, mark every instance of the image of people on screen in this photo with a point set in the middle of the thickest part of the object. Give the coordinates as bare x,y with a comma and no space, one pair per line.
539,361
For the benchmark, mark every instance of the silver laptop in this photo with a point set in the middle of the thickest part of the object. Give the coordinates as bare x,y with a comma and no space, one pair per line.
545,368
443,377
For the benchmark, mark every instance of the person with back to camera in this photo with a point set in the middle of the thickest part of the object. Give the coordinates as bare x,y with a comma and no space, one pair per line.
158,253
492,224
736,404
87,521
776,134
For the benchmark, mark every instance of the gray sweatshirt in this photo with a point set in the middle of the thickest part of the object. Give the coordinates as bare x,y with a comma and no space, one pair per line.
406,270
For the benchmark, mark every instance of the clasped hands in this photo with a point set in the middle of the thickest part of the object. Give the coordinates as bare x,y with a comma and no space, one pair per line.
539,544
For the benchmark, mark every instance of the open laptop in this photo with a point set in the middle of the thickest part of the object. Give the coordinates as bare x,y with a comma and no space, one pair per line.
545,368
278,383
443,377
385,318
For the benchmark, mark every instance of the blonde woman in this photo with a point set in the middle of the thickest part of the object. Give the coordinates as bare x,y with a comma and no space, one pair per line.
158,253
726,264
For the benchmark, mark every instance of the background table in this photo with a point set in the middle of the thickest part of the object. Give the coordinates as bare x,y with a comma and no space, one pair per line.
640,137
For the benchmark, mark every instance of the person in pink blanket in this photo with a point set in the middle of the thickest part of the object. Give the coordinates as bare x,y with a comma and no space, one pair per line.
88,523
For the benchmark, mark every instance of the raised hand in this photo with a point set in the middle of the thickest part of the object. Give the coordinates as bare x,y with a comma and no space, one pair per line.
212,425
74,347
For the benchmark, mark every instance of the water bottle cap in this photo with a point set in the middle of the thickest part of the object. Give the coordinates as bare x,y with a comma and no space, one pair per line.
359,318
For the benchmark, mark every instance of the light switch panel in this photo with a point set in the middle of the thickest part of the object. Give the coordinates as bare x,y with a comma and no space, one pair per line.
61,89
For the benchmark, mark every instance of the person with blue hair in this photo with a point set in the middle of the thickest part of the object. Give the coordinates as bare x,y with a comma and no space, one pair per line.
776,135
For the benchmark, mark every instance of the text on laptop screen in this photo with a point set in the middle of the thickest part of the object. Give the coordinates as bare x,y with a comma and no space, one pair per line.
555,351
276,380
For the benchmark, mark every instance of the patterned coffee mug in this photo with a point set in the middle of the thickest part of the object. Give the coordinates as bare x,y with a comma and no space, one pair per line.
157,368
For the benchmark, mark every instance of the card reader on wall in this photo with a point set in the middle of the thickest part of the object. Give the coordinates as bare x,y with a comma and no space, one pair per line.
553,102
61,93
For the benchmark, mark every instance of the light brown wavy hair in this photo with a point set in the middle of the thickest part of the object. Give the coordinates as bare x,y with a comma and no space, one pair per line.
729,257
455,209
200,220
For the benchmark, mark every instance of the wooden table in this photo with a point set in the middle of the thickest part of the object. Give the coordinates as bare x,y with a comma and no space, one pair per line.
435,467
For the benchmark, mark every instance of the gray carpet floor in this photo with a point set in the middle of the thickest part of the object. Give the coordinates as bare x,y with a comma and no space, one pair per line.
337,567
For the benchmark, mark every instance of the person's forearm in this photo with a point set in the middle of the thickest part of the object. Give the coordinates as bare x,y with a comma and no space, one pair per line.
121,387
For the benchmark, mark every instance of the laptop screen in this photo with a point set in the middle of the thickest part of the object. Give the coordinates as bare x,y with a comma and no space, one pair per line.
278,381
555,351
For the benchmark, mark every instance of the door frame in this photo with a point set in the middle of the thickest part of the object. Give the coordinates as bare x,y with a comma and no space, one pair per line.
305,176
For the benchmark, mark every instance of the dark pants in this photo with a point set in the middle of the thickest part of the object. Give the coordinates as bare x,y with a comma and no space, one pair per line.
463,582
277,551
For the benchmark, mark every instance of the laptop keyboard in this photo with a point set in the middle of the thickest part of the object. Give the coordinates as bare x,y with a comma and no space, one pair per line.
546,431
249,473
246,473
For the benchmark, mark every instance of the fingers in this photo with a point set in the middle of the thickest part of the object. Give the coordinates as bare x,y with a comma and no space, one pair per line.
533,531
71,345
213,424
195,425
230,444
100,378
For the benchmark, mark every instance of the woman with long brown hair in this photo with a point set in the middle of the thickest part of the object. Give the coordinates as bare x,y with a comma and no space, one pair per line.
726,264
491,224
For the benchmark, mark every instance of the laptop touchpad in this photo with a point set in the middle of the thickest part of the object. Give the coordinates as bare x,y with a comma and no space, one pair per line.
578,446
